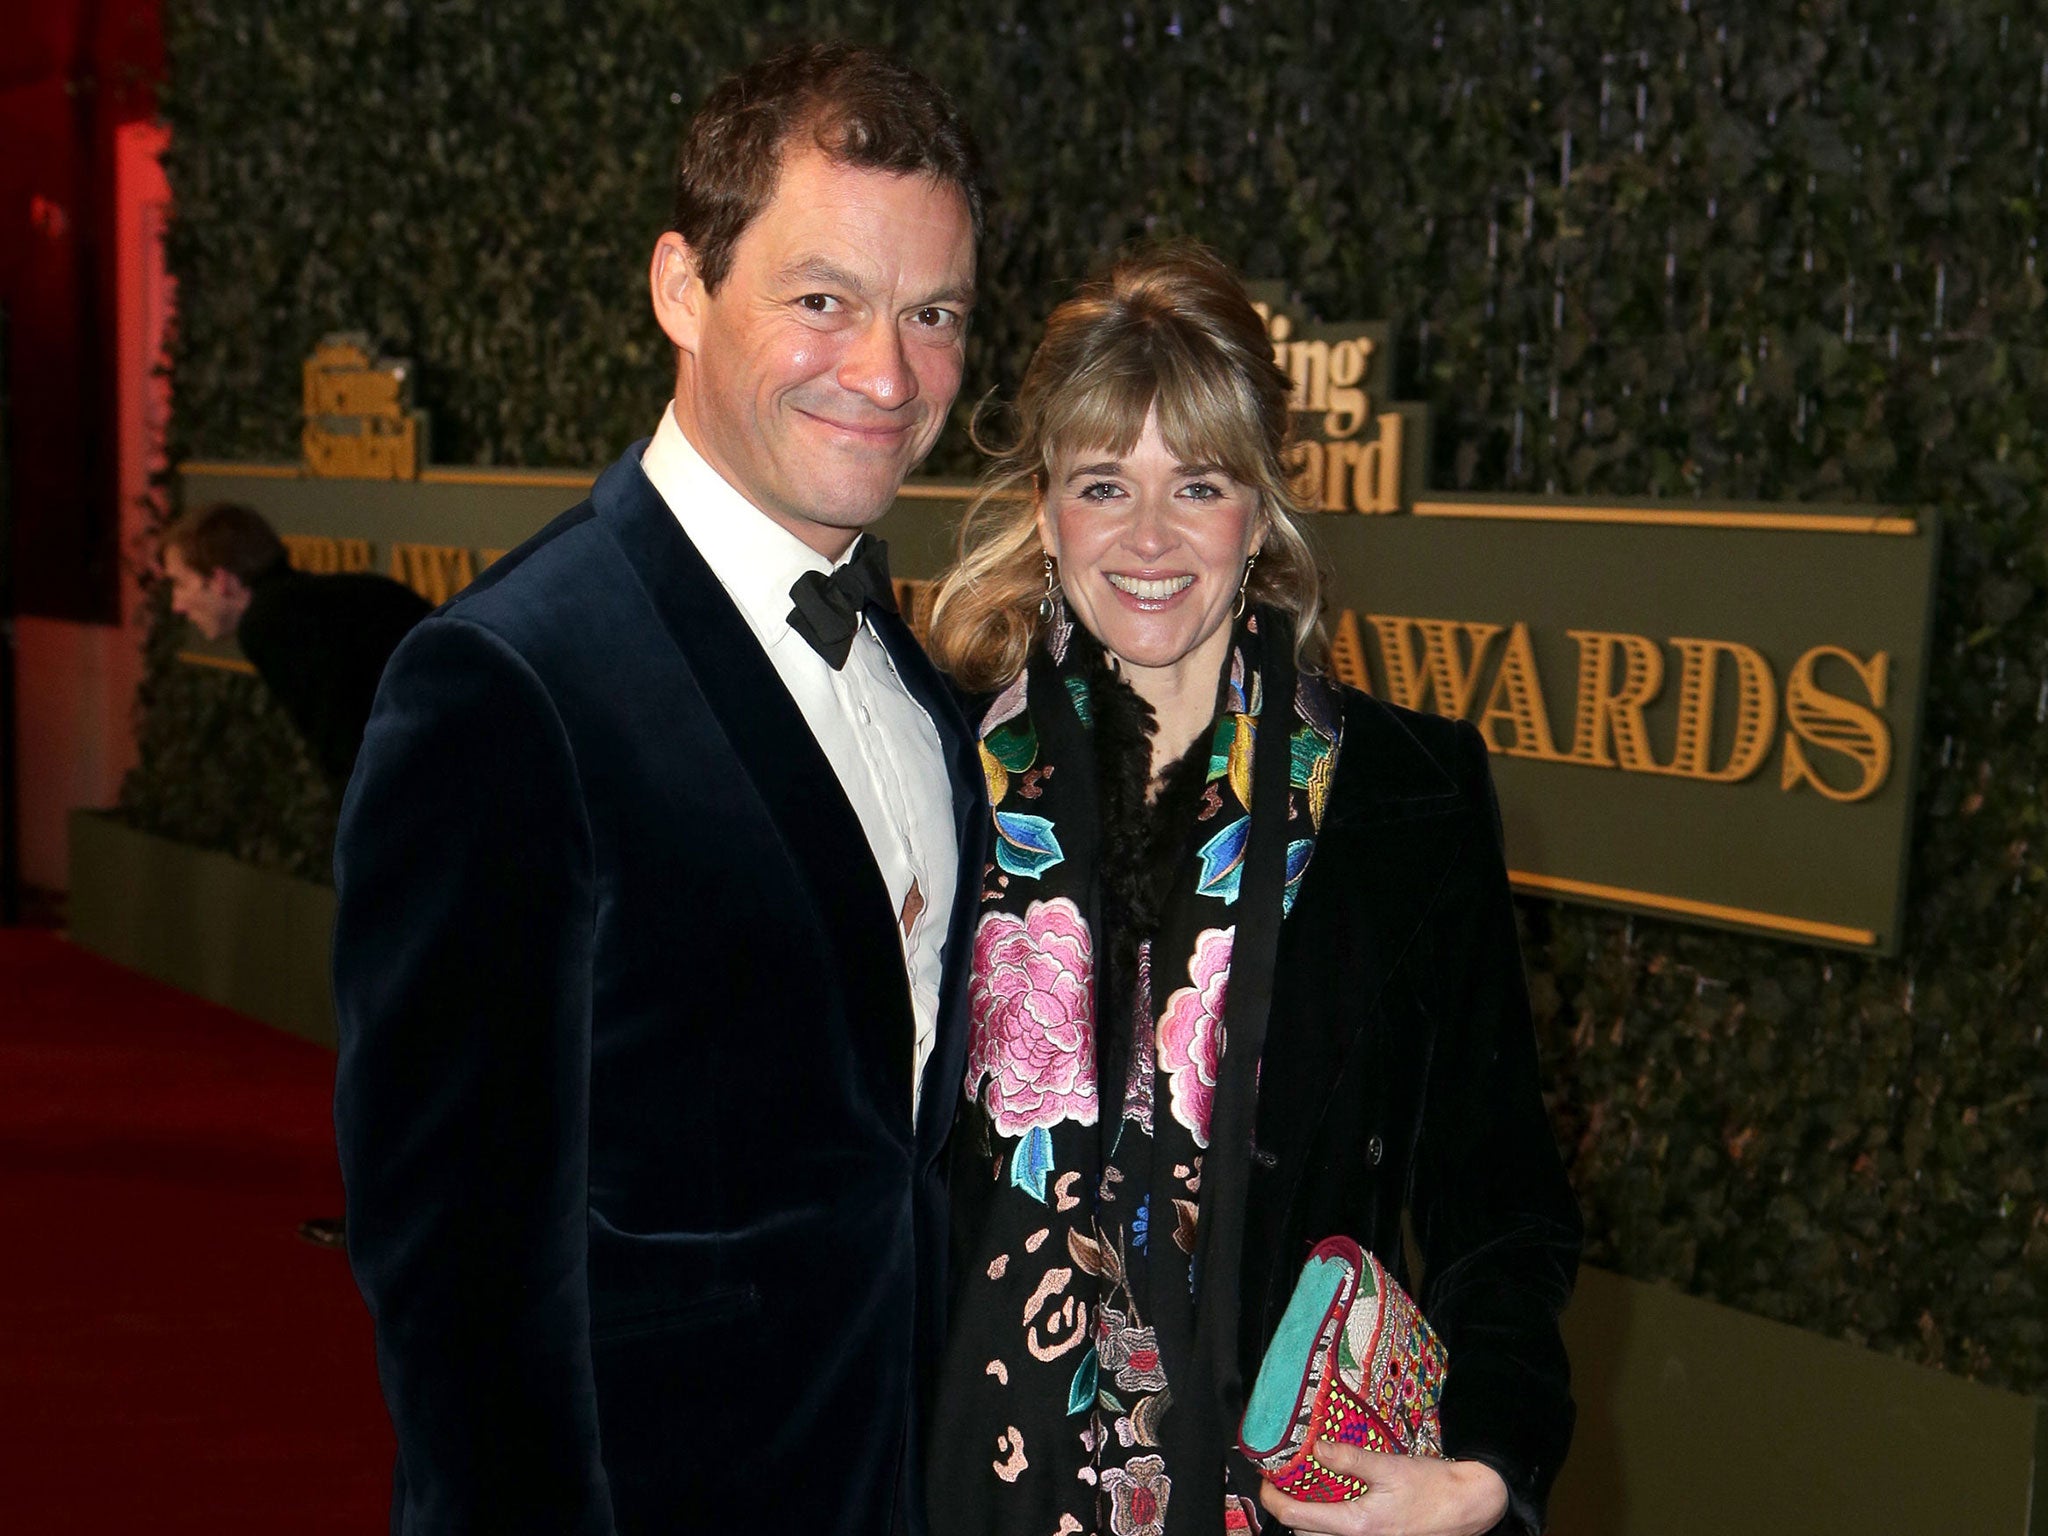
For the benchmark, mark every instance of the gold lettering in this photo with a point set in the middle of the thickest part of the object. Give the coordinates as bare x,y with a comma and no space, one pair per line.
1756,708
1516,700
1376,477
1279,327
1337,461
310,552
360,390
1349,405
1308,362
1837,724
1608,729
1347,654
1454,677
362,447
357,423
324,556
436,571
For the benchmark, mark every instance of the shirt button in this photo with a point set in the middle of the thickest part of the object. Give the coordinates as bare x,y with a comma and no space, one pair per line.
1374,1151
865,718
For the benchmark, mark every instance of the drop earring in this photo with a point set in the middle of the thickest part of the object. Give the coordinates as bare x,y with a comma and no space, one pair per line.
1244,586
1048,604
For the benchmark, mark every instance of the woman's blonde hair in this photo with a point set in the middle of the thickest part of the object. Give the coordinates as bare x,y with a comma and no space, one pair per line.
1169,327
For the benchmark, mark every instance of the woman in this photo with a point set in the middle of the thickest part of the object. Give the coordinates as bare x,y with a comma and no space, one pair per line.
1246,976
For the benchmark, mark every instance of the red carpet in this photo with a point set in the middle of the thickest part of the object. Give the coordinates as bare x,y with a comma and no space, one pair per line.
173,1357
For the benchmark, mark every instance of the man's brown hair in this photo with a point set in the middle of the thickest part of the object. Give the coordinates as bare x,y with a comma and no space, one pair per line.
225,534
858,105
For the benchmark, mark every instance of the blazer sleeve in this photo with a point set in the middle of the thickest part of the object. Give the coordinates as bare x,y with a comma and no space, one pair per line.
462,978
1498,1226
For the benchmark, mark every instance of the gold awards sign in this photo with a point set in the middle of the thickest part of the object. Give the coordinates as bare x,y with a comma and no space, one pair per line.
1705,711
359,418
1354,449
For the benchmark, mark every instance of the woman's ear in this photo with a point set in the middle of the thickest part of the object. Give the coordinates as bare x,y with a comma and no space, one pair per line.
1048,534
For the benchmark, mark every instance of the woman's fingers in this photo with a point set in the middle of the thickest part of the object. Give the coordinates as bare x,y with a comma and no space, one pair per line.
1368,1467
1405,1496
1350,1518
1323,1519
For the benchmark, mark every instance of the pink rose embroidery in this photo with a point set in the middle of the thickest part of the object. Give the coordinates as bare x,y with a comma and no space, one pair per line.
1191,1032
1033,1039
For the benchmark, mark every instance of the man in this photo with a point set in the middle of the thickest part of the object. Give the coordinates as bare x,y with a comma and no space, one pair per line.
656,881
319,642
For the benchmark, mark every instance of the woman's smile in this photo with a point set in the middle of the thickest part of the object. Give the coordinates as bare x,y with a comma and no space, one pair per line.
1151,592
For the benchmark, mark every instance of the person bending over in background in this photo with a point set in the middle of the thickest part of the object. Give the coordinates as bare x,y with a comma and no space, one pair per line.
319,642
1246,976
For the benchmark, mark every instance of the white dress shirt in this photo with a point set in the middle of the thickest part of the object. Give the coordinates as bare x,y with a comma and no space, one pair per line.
878,739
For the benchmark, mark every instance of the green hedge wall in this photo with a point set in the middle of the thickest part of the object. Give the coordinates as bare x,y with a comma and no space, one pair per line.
1780,250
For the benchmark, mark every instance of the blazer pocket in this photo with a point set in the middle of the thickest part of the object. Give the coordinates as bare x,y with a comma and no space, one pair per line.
723,1305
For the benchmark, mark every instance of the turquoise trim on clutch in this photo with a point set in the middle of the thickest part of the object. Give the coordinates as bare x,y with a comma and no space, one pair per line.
1277,1392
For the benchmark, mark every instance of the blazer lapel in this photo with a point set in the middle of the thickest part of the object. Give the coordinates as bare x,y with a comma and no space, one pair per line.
819,829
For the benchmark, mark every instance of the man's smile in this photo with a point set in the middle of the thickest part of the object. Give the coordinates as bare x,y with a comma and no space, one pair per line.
879,434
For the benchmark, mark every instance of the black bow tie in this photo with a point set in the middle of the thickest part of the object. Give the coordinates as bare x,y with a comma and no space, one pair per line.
827,609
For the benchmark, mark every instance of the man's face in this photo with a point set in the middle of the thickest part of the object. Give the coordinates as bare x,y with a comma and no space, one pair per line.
822,370
213,604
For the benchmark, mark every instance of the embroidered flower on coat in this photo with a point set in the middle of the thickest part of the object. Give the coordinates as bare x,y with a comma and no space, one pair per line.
1033,1039
1191,1032
1131,1352
1137,1496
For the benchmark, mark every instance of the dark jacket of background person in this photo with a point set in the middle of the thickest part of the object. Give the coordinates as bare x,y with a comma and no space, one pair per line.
1400,1069
320,642
630,1270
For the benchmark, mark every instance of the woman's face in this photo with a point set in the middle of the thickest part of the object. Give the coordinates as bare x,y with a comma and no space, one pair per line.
1151,550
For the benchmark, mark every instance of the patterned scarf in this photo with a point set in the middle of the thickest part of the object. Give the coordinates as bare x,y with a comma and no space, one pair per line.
1078,1385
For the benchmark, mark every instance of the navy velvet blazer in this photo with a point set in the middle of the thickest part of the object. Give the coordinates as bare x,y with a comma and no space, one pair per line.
634,1195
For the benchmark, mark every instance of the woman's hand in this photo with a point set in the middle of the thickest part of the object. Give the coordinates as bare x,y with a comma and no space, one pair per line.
1405,1496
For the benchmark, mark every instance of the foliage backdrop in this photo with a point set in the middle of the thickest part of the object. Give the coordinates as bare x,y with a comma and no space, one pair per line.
1636,246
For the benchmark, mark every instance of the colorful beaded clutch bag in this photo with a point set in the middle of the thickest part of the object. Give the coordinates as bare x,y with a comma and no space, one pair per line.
1353,1361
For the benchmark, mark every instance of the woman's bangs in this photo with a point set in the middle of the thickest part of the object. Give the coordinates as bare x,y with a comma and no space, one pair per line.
1205,418
1106,414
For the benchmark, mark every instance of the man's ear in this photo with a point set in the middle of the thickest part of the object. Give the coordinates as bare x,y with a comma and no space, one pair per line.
678,295
230,595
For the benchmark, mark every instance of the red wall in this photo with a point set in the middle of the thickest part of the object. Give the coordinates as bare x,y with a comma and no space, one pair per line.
71,72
